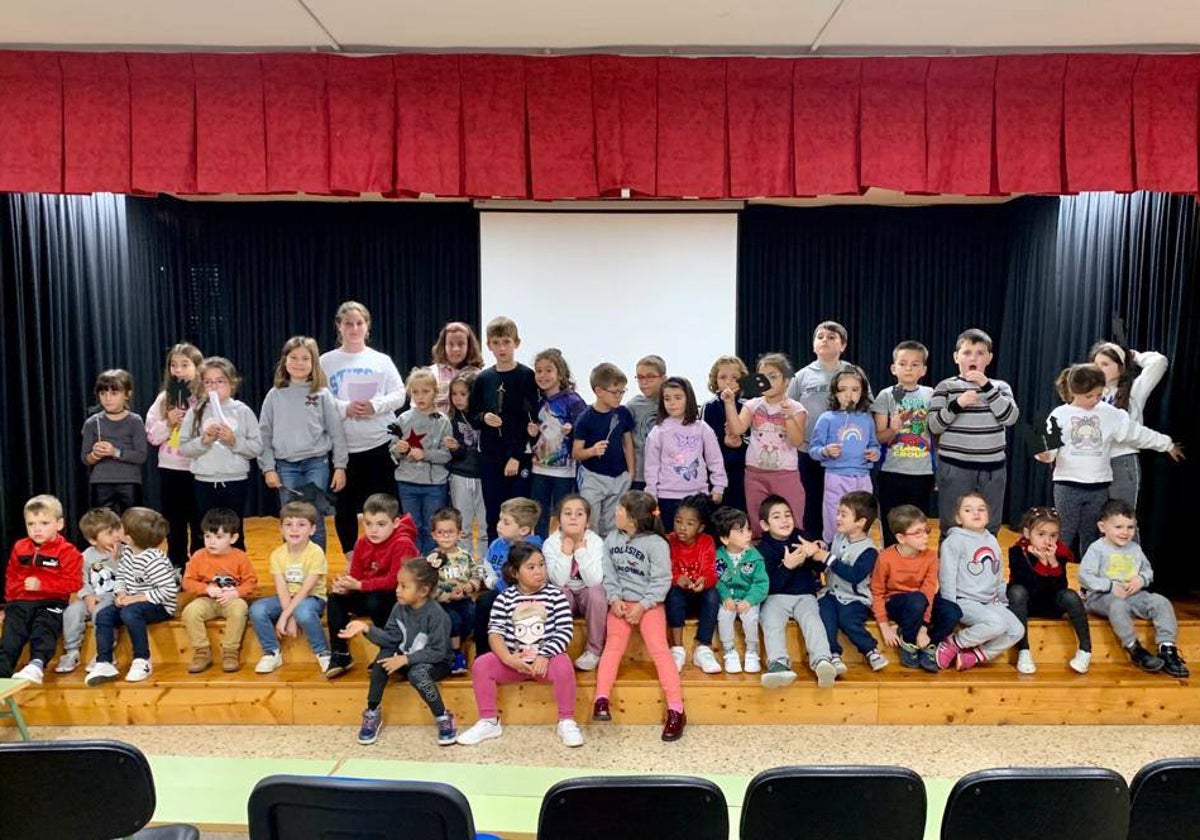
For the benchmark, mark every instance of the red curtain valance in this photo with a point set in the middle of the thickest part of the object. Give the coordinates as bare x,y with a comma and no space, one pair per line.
588,126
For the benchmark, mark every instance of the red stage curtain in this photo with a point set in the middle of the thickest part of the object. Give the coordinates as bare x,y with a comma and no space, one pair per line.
429,144
692,152
826,96
893,123
231,147
1098,122
562,130
1029,119
362,124
760,126
959,124
297,123
163,122
493,105
31,129
1164,122
625,103
95,123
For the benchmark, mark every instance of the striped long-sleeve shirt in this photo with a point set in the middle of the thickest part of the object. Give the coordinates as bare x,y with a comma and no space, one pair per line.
971,437
148,572
532,624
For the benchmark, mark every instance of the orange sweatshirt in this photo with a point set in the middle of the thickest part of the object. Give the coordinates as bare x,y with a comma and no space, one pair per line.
894,573
230,570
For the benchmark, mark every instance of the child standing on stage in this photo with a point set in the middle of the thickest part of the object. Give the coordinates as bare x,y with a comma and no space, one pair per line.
603,447
466,465
421,455
163,424
902,426
682,456
649,373
575,564
1129,379
844,442
728,372
529,632
693,583
554,470
456,352
114,445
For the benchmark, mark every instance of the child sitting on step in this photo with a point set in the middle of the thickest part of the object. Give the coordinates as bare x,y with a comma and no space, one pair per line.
741,587
222,578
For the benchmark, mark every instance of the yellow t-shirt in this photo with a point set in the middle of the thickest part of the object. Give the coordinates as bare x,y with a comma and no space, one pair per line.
295,568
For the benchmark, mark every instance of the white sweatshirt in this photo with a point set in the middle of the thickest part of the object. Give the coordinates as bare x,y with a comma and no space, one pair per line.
1089,438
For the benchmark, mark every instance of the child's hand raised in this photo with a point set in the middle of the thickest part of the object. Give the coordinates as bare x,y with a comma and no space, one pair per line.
976,377
568,545
793,557
352,629
728,394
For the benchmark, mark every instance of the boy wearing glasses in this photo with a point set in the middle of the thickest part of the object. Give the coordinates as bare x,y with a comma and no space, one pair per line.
904,585
603,446
650,373
902,426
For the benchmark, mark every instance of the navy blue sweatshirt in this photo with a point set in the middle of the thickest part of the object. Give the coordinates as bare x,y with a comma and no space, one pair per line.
805,579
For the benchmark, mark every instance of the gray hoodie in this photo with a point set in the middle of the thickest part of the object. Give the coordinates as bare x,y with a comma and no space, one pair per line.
969,568
297,424
427,432
1104,563
636,568
215,462
423,634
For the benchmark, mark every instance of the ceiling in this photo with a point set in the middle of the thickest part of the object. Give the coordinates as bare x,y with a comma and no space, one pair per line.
632,26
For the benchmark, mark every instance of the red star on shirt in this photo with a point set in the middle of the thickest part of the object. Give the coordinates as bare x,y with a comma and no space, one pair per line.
414,440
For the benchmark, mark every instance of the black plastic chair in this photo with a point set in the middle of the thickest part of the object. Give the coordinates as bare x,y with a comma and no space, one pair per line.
634,808
107,785
1165,799
847,802
1035,803
314,807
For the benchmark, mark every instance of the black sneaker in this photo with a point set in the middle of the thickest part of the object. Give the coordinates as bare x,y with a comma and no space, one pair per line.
1144,659
1173,663
339,663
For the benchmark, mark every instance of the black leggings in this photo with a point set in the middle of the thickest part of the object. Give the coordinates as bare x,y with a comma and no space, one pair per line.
424,678
1049,603
368,472
178,490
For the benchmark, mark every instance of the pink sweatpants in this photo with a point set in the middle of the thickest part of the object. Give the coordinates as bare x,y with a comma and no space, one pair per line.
488,672
653,627
762,483
592,603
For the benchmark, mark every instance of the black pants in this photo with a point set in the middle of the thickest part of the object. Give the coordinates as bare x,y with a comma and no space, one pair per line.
423,677
499,488
179,507
812,476
228,494
1047,602
368,472
483,614
116,497
908,611
735,493
376,605
38,623
897,489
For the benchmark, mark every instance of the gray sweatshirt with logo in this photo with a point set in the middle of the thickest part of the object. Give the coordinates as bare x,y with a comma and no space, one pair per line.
969,568
297,424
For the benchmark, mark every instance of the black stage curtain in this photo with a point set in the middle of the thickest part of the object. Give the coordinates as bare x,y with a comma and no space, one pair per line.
92,282
1044,276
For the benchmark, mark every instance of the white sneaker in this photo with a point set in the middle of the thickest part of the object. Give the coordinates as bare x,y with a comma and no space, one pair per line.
570,733
67,663
704,659
322,661
139,670
90,666
269,662
1081,661
484,729
102,672
753,663
877,660
733,662
587,661
679,655
1026,665
31,673
826,673
838,665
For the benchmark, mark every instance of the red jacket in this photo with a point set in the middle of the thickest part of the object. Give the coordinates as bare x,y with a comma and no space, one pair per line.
375,565
698,560
56,563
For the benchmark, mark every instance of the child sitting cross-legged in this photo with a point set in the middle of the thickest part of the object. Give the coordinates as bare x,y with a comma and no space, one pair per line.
460,577
222,578
742,586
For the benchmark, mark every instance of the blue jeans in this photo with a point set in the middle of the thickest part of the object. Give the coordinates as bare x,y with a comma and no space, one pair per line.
135,617
295,474
421,502
462,619
706,601
266,611
548,491
851,619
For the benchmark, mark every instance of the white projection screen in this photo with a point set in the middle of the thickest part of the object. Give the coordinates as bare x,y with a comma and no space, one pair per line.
613,287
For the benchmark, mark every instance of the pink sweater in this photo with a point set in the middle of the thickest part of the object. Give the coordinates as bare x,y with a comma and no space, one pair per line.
682,460
161,435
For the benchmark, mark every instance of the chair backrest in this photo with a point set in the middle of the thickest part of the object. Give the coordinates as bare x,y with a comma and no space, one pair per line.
1073,803
1164,799
313,807
804,802
634,808
107,785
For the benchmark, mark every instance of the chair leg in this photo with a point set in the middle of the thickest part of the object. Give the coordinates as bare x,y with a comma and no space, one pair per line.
14,711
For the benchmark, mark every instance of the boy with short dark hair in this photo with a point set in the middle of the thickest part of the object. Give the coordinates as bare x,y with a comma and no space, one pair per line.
460,579
102,529
902,426
518,519
504,400
649,372
969,413
222,578
43,570
603,446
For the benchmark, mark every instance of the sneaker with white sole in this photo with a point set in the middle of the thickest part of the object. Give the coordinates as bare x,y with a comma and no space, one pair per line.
679,655
779,674
825,672
704,659
587,661
323,661
31,673
482,730
270,662
1081,661
838,665
372,722
753,663
570,733
102,672
733,662
877,660
1025,663
447,729
67,663
139,670
90,665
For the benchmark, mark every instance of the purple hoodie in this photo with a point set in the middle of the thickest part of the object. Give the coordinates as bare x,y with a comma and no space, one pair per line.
682,460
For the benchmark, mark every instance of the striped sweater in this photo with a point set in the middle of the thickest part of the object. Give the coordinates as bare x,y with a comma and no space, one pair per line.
148,572
533,624
972,437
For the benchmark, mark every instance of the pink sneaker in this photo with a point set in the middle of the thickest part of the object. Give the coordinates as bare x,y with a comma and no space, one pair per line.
946,653
970,657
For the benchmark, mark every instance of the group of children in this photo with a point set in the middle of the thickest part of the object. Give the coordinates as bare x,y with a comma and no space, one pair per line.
772,489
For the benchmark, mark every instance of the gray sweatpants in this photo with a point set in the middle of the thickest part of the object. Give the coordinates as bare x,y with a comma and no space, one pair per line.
953,481
992,628
774,615
75,619
725,619
1121,612
602,493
